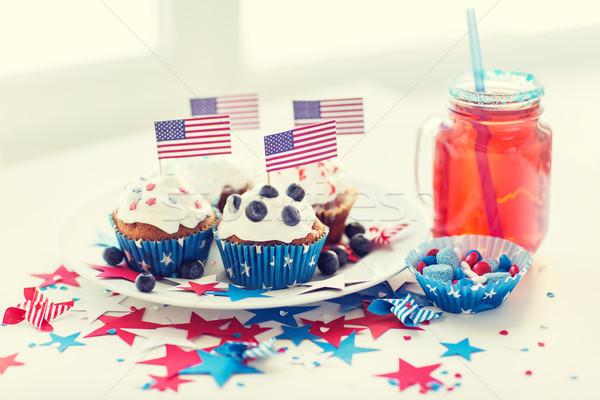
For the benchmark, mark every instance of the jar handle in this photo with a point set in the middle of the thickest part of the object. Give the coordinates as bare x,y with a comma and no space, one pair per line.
424,160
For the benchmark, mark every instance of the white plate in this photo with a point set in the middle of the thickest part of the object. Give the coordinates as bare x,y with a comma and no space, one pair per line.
374,206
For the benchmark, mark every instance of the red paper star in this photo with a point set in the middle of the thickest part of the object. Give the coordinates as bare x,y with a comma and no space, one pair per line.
331,331
9,361
199,326
379,324
408,375
237,332
199,289
61,275
175,360
168,382
116,325
120,271
351,256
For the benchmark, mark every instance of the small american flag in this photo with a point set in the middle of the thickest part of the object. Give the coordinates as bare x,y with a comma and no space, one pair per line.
193,137
242,109
347,113
305,145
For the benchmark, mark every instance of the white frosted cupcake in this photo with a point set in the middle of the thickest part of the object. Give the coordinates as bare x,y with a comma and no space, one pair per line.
160,223
270,237
327,191
214,177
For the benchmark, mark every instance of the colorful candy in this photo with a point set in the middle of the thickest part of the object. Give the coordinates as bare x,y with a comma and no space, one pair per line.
442,272
513,270
471,259
429,260
449,257
494,264
495,277
505,262
420,266
482,268
432,252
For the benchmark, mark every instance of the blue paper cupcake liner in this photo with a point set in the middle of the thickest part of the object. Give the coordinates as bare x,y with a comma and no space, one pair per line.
465,297
164,257
269,267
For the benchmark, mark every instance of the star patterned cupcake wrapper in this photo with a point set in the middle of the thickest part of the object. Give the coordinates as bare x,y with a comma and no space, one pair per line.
464,296
164,257
269,267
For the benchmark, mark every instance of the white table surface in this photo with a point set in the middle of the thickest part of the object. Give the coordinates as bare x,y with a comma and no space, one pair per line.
39,194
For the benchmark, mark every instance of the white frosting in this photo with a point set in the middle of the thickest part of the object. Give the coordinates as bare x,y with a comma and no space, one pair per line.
272,226
323,181
164,202
209,175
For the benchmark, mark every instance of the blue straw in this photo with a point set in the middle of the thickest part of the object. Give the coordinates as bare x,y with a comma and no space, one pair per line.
475,51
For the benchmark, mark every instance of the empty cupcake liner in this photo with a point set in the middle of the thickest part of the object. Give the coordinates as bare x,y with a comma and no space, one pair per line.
464,296
164,257
269,267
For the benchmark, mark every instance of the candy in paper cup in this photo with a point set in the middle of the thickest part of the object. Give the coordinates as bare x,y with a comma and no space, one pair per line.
164,257
269,267
465,296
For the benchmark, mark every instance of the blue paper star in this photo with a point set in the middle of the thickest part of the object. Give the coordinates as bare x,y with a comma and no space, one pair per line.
297,335
219,367
64,341
374,291
346,349
235,293
462,348
350,301
284,315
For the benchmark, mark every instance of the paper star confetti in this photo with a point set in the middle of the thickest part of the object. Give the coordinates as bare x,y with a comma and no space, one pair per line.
379,324
336,282
36,309
120,271
162,336
9,361
175,359
331,331
64,342
201,289
61,275
221,368
235,293
116,325
297,335
199,326
346,349
163,383
96,302
408,375
405,309
283,315
243,350
237,332
349,302
378,291
462,348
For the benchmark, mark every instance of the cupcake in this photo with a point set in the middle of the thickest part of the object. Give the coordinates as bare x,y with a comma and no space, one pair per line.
474,284
160,223
270,237
214,177
326,190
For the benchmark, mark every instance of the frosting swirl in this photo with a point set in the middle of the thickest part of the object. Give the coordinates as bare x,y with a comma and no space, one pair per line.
266,217
165,202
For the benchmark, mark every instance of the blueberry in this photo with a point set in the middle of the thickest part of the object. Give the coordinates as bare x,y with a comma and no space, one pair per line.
192,269
295,191
145,282
353,229
268,191
113,256
360,244
290,215
342,254
328,262
256,210
233,202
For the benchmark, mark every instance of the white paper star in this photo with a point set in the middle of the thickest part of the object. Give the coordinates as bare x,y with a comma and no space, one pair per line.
166,259
489,294
336,282
288,261
97,302
160,336
246,269
454,293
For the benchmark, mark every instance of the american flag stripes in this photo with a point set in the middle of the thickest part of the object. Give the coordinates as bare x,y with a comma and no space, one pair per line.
300,146
405,309
193,137
242,109
36,309
347,113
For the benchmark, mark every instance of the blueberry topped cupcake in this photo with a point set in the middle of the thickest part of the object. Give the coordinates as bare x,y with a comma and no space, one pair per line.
214,177
327,191
270,237
160,223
